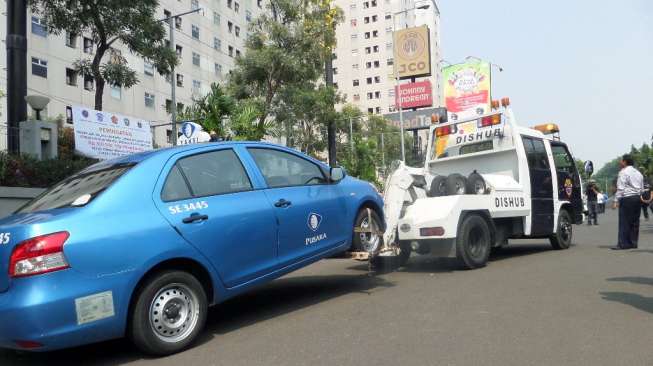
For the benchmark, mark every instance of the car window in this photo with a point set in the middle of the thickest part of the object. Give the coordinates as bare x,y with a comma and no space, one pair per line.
536,153
562,159
208,174
175,187
78,190
282,169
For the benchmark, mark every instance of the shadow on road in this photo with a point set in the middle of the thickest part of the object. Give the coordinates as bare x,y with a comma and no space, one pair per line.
636,280
635,300
275,299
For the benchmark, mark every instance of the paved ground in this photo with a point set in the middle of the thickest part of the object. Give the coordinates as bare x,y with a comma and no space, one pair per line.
531,306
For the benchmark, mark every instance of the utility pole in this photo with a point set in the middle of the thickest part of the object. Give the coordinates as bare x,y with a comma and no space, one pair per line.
351,140
16,71
383,154
173,78
331,126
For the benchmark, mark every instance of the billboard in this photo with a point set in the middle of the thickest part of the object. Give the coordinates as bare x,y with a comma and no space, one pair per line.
105,135
414,95
412,52
416,120
467,89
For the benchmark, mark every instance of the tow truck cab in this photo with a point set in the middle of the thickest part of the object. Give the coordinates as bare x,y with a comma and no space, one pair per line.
485,180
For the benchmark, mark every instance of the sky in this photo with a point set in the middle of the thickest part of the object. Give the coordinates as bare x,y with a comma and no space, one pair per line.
585,65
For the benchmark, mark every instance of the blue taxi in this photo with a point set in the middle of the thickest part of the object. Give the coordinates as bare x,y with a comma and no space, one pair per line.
142,245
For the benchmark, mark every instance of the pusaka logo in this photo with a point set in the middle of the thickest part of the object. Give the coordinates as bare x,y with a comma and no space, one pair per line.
314,220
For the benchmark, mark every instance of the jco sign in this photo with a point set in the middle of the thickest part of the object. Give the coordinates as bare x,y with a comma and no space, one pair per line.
412,52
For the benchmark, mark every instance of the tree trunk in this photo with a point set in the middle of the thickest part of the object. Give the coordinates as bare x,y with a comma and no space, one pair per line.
97,76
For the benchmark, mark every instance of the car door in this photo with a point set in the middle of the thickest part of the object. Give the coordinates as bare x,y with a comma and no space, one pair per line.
209,198
541,186
569,182
310,210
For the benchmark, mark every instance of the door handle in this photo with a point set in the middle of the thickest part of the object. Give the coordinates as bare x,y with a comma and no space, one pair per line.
282,203
194,217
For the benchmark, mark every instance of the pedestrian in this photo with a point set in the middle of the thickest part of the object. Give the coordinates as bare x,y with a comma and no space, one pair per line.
630,184
592,193
646,200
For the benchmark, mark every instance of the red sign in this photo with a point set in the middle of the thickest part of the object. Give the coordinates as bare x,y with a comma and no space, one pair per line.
415,95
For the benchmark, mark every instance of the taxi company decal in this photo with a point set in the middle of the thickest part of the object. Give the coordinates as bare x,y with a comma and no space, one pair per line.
4,238
509,202
569,187
185,207
478,135
94,307
314,220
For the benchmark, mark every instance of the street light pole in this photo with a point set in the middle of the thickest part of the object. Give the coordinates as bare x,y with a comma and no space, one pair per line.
396,74
173,78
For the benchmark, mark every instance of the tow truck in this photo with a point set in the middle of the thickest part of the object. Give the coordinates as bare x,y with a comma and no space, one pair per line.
485,180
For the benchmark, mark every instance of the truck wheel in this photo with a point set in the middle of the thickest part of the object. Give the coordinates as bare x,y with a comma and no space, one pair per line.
561,239
474,242
369,242
390,263
168,314
476,184
438,187
456,184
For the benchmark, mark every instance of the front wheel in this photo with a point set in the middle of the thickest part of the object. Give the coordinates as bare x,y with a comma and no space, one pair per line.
563,236
169,313
474,242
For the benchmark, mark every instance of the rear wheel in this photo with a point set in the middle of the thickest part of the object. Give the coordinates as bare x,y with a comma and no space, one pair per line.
456,184
474,242
169,313
563,236
438,187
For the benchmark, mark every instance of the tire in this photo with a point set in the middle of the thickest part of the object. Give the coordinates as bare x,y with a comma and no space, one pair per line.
367,242
438,187
390,263
564,234
456,184
474,242
176,292
476,183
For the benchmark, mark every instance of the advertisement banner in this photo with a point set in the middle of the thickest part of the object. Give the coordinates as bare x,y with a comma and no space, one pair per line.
414,95
105,135
415,120
412,52
467,89
192,133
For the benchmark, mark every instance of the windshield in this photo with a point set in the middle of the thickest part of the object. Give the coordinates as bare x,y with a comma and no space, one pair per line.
78,190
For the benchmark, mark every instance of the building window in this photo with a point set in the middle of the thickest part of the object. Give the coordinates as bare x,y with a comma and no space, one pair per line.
195,31
237,31
368,50
353,22
149,100
168,132
236,7
71,77
168,108
231,51
116,92
88,45
368,80
377,64
218,69
196,59
194,4
38,27
375,34
335,71
197,86
370,95
178,23
367,35
366,5
230,27
179,50
377,94
354,52
375,18
259,3
388,15
377,79
237,53
366,20
166,15
368,65
378,110
391,61
354,66
373,3
180,80
148,67
89,83
229,2
71,40
370,110
39,67
216,18
248,16
354,36
217,43
376,49
357,97
335,86
356,82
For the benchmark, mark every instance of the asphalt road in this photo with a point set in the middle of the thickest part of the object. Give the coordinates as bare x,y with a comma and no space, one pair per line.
530,306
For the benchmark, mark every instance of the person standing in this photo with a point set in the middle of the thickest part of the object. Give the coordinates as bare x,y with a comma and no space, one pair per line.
630,184
646,200
592,203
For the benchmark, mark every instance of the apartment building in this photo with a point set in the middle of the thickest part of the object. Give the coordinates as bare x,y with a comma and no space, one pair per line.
207,43
364,64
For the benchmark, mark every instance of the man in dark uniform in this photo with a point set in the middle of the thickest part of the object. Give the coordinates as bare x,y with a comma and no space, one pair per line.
630,185
592,202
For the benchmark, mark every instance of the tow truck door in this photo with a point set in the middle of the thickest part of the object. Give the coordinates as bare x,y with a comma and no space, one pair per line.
541,186
569,182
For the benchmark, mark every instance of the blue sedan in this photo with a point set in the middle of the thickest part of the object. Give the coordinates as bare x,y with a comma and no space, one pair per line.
141,246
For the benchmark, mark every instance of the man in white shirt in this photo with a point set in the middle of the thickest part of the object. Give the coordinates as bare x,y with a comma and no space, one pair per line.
630,185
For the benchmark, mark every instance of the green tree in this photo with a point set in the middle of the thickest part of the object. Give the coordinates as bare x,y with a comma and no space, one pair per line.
110,22
210,110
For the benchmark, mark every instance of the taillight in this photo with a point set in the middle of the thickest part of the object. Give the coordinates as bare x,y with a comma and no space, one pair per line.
492,120
38,255
431,231
443,131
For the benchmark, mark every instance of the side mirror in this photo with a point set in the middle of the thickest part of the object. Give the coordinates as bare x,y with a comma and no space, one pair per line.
337,174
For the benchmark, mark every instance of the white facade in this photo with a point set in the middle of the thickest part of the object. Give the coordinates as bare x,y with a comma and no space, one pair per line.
364,70
213,38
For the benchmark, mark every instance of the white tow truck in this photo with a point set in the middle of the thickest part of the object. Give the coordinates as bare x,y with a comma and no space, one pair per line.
485,180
